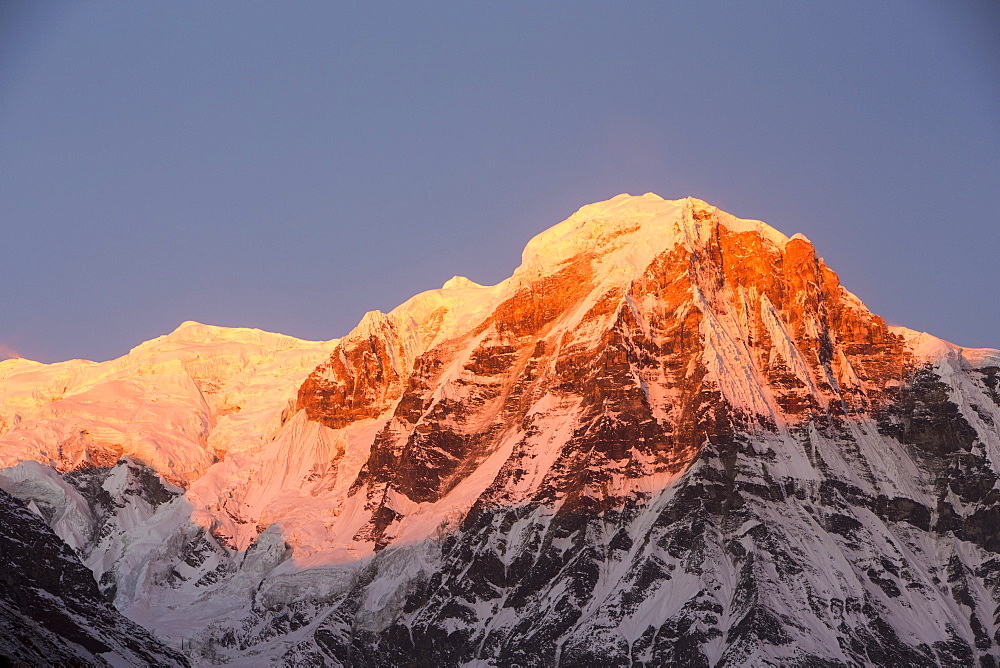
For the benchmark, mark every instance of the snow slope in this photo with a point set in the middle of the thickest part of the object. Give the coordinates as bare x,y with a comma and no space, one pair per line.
179,402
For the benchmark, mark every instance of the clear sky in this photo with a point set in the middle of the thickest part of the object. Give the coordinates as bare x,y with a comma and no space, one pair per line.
291,165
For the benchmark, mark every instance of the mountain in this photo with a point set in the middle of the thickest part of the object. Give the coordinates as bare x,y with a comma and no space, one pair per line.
671,437
50,607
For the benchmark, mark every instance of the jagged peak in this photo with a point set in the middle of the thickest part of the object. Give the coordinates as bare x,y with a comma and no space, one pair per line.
646,224
623,235
373,323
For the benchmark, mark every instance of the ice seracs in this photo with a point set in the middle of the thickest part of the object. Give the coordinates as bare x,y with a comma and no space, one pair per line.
178,402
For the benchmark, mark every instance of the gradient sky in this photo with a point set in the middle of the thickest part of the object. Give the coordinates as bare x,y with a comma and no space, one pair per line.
291,165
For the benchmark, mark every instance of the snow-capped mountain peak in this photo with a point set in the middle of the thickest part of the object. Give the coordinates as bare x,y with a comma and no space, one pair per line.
670,437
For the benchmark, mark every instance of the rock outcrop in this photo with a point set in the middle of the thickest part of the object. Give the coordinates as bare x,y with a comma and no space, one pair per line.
50,608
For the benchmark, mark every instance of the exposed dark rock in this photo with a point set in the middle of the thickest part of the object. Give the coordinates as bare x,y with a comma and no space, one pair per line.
50,607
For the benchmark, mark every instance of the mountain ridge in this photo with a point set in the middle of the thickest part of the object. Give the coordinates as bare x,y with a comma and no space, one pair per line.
671,435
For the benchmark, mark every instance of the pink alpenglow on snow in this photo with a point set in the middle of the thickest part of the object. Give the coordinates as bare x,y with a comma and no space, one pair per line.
671,436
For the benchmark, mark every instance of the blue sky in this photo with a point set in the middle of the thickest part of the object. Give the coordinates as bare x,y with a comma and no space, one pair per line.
289,166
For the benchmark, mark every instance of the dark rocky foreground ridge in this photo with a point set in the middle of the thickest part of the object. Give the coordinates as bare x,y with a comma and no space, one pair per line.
672,438
51,611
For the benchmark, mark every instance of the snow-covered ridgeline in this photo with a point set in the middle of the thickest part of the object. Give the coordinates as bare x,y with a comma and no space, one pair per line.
588,450
177,402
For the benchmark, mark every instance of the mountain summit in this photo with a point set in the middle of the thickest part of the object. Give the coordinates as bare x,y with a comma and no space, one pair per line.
671,437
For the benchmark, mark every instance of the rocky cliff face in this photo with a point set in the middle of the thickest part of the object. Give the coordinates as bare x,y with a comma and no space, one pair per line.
50,608
671,436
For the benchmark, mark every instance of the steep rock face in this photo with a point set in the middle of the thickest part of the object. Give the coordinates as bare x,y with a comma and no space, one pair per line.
740,365
362,378
670,437
729,322
50,608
